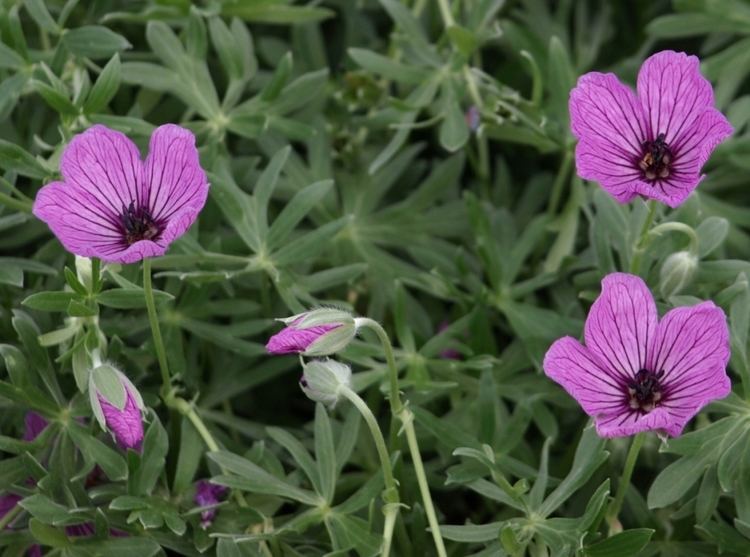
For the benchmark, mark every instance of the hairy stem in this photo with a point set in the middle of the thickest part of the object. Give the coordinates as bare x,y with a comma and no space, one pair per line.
407,420
622,487
153,320
640,245
391,489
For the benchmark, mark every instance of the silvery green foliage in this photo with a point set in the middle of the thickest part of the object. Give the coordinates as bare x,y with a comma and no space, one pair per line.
410,164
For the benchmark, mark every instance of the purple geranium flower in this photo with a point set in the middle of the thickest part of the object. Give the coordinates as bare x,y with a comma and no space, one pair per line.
653,144
637,373
113,206
208,495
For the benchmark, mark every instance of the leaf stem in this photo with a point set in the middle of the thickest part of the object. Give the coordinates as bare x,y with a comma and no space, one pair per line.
153,320
622,488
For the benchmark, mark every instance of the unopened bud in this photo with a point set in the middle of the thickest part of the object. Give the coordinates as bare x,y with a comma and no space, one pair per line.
319,332
322,380
676,273
117,405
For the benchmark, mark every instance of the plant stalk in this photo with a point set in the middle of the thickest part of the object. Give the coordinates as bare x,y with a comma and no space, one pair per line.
391,489
627,473
404,415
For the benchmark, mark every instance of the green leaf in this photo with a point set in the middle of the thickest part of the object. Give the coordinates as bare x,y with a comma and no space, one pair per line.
325,453
189,457
299,453
40,14
94,41
105,87
141,546
16,159
675,26
590,454
454,132
465,40
153,456
387,67
251,477
56,99
624,544
10,59
93,450
295,210
711,234
124,298
45,510
49,301
274,13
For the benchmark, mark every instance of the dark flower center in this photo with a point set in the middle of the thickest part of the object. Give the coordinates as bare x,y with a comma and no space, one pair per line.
656,158
138,224
644,391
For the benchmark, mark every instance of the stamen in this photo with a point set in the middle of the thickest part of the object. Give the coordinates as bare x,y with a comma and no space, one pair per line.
138,224
656,159
644,392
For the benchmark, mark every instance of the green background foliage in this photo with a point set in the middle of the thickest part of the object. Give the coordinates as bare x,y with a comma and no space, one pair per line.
343,171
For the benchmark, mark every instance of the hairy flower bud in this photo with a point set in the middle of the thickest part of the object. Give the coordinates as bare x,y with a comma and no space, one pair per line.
322,380
117,405
319,332
677,272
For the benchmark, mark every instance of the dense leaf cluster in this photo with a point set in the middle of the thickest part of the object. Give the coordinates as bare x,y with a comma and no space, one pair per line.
410,161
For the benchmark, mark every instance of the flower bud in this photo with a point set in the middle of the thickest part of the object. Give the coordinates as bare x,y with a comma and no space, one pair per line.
677,272
322,380
117,405
319,332
208,495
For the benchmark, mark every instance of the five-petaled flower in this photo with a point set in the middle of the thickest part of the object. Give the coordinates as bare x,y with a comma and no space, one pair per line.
636,372
113,206
653,144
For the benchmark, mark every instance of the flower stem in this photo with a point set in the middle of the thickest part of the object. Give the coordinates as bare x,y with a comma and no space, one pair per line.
627,473
429,508
153,319
404,415
391,490
640,245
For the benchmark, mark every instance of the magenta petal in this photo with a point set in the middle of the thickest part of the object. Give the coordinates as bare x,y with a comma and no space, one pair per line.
630,423
621,324
692,348
105,164
293,341
608,121
584,377
174,180
126,425
673,93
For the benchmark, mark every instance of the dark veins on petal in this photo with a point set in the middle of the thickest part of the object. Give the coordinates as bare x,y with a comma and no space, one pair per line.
656,159
138,224
644,391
